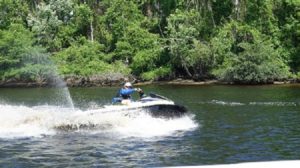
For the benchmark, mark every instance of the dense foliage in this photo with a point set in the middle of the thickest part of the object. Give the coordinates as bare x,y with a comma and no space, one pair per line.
237,41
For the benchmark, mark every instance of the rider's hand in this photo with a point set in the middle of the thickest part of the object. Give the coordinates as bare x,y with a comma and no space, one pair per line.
138,89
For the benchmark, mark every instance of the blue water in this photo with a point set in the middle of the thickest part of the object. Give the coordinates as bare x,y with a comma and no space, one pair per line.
226,124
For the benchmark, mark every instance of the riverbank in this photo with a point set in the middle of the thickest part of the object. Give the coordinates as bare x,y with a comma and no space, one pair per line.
114,79
107,82
179,82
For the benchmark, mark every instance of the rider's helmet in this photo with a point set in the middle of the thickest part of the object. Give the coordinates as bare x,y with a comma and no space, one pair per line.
128,85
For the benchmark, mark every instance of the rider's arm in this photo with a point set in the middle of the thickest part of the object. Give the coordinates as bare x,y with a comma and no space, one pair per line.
127,91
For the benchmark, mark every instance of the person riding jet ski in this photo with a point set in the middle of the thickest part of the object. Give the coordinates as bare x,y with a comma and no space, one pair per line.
124,94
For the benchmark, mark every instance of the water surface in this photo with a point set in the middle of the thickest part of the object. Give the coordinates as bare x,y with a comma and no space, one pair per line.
226,124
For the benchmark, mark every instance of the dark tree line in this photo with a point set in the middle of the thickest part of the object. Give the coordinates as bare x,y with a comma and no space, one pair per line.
241,41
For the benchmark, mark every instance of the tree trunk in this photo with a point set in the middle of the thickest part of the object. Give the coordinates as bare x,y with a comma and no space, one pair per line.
240,9
91,31
149,12
209,6
187,70
236,9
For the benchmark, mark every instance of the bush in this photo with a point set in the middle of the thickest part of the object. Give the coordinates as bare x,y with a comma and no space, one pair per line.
157,73
140,49
20,59
86,58
246,57
258,63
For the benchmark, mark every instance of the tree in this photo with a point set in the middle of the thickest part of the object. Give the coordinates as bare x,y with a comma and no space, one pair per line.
141,50
83,20
288,16
222,11
152,39
20,59
202,60
157,12
246,56
85,58
12,11
118,17
186,50
46,21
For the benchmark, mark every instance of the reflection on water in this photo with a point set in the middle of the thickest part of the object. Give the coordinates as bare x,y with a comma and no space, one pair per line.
227,124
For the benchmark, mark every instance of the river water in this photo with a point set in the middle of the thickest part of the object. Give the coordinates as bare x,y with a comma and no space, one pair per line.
225,124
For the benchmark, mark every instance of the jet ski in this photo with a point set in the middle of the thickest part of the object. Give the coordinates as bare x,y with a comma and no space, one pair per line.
154,104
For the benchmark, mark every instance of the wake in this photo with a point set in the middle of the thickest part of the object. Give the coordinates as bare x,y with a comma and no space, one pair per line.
38,121
266,103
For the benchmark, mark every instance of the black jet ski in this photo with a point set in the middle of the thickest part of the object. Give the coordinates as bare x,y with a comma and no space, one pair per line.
158,105
154,104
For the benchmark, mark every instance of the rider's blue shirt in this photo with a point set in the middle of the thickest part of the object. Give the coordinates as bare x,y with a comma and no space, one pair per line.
123,94
126,91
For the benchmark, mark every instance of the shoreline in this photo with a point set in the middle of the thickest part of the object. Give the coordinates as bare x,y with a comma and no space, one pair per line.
114,83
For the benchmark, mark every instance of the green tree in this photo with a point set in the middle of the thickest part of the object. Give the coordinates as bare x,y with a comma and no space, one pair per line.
20,59
201,60
85,58
157,12
246,56
47,19
152,39
141,50
288,16
119,16
222,11
83,19
187,51
12,11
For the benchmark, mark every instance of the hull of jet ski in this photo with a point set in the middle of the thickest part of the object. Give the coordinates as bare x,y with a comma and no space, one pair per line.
155,105
166,110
